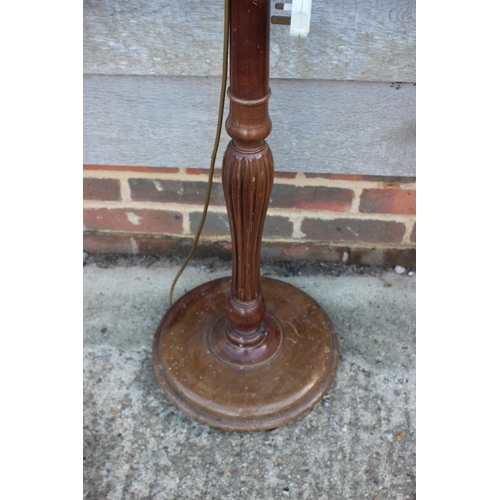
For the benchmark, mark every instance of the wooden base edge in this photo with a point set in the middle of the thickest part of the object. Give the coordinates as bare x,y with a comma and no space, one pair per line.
245,398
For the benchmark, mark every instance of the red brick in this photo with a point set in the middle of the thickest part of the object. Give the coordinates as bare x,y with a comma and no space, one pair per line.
388,201
162,191
335,177
180,247
132,220
101,189
204,171
277,226
311,198
217,224
218,173
108,243
271,251
368,178
123,168
276,252
385,257
413,235
166,245
353,230
285,175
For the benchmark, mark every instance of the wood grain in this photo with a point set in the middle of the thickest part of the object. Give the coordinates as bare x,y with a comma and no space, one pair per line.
199,382
247,179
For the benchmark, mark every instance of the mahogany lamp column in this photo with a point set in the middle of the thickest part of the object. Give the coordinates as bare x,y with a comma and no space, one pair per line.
247,175
245,353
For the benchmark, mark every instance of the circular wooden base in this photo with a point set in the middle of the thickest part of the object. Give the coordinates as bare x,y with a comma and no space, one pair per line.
192,367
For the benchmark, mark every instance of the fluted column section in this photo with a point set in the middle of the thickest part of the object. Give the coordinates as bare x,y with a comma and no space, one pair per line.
247,169
247,186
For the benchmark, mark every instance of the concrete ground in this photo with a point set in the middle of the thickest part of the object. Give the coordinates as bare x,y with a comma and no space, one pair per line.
357,443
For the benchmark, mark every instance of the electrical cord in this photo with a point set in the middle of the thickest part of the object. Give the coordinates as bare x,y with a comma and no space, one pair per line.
214,151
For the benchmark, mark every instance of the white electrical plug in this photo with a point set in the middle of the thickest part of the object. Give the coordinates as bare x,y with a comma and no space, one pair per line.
301,17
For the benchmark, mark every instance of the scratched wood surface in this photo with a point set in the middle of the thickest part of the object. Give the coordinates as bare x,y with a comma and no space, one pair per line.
318,125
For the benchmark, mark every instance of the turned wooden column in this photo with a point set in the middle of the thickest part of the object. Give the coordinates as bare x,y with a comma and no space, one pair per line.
247,168
243,352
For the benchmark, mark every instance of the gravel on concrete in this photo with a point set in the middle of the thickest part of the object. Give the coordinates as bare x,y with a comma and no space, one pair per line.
357,443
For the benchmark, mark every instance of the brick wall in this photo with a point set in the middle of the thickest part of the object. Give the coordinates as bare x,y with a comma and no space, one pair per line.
351,218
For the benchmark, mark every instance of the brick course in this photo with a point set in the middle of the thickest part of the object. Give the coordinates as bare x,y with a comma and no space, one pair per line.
218,173
271,251
369,178
311,197
96,242
180,247
169,191
217,224
135,168
353,230
101,189
365,219
388,201
203,171
132,220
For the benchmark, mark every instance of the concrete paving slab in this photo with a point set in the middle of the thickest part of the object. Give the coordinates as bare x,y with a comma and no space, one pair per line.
359,442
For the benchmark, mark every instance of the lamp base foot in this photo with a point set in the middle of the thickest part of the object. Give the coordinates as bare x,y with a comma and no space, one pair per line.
195,373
